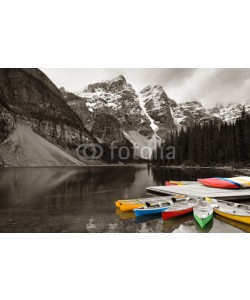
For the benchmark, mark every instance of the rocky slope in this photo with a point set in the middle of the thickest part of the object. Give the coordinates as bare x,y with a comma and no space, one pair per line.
24,147
28,97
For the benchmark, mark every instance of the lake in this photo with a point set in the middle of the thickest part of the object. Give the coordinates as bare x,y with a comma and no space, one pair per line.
82,199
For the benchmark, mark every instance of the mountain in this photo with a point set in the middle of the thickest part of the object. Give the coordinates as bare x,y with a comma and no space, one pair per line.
40,124
188,113
115,97
157,106
28,98
230,112
111,110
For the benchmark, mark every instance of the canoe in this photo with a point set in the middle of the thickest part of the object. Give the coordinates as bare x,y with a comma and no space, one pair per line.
203,213
180,208
160,198
243,181
118,203
221,183
234,211
129,205
152,209
172,182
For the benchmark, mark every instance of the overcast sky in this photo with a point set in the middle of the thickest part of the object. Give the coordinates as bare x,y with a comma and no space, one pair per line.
209,86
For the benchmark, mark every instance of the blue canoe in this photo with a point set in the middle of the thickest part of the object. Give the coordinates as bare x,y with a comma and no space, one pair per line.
152,210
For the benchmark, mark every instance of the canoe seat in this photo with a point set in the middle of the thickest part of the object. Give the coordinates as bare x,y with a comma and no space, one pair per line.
229,211
215,205
242,206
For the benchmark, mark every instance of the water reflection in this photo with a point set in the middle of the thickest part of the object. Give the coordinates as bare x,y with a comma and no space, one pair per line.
149,218
161,174
82,199
242,226
125,215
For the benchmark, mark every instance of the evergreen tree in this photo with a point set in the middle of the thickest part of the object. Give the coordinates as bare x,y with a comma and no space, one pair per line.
209,144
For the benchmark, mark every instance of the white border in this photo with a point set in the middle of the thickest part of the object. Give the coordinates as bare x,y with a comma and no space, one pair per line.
117,34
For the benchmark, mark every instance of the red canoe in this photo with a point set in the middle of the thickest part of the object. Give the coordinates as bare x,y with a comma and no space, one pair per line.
167,183
219,183
179,209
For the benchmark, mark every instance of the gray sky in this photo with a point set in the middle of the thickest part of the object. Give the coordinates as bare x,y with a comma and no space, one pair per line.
209,86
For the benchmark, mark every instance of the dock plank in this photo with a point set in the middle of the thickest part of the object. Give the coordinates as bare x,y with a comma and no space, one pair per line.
198,190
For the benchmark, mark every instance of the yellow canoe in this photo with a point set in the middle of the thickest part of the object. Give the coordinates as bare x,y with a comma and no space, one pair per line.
127,205
239,218
176,182
118,203
131,206
234,211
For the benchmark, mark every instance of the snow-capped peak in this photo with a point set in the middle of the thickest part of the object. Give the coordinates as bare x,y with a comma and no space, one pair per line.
142,104
230,112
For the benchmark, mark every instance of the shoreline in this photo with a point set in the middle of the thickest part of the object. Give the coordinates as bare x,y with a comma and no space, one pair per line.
76,166
231,169
246,171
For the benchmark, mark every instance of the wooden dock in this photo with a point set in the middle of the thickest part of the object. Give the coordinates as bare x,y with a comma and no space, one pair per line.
195,189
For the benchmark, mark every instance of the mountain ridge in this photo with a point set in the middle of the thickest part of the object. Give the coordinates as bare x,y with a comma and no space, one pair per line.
103,112
162,113
28,98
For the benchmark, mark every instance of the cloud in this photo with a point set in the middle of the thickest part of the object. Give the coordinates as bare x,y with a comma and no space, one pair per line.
210,86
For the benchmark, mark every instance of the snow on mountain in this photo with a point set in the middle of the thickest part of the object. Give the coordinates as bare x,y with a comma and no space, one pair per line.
190,112
143,118
118,98
114,98
152,122
157,105
230,112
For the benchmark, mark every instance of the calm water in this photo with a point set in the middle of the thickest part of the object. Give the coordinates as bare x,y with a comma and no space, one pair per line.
82,200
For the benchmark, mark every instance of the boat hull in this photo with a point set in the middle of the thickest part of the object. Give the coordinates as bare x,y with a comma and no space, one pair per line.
243,181
230,210
221,183
203,221
242,219
130,206
149,211
135,203
118,203
172,214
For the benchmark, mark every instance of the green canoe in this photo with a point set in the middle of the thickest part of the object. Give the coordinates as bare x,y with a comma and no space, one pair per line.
203,213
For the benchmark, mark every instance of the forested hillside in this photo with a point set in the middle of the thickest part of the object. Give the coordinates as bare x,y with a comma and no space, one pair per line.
208,144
